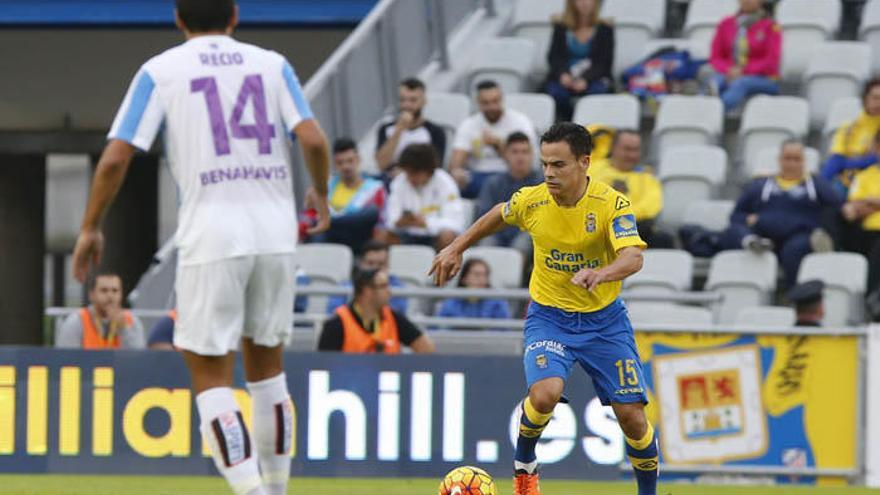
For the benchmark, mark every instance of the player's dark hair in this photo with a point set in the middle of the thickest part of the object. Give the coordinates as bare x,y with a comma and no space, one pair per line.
517,137
486,84
418,158
413,83
92,280
871,84
468,266
373,245
344,144
200,16
363,278
577,136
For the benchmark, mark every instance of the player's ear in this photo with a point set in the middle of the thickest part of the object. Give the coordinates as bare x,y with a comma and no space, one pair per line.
179,23
233,22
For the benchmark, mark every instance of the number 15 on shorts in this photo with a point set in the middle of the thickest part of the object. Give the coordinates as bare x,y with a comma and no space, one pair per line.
626,372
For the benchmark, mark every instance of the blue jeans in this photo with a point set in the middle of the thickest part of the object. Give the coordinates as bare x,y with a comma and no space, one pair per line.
563,97
735,92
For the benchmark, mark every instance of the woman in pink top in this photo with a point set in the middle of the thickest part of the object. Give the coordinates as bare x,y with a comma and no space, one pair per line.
746,51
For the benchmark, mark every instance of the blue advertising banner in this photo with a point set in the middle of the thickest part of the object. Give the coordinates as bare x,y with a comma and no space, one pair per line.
131,412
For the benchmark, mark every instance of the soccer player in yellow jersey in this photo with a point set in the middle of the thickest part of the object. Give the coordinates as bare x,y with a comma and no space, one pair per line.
585,243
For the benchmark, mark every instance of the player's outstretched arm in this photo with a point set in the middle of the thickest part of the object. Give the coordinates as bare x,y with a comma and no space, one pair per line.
315,150
448,261
629,260
109,175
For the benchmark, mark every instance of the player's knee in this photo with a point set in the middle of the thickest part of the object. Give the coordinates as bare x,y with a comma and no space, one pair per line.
544,398
632,420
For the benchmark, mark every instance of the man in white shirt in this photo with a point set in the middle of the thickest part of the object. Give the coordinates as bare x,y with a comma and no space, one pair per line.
477,152
424,206
226,108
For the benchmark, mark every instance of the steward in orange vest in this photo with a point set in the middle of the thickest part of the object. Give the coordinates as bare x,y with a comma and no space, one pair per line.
92,338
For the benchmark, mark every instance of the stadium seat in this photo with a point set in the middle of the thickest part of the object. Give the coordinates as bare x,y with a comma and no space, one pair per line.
712,214
533,20
663,270
696,49
869,31
506,264
635,22
469,209
743,279
538,107
447,109
846,279
620,111
688,120
411,262
324,265
843,111
689,173
767,162
836,69
504,60
767,121
367,150
67,189
768,316
654,313
805,25
703,17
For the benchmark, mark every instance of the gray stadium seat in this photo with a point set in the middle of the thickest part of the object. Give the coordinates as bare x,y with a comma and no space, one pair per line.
653,313
447,109
869,31
713,214
767,162
506,264
367,150
843,111
620,111
67,190
532,20
666,270
469,209
805,25
767,121
538,107
846,279
688,120
703,17
768,316
836,69
504,60
743,278
326,265
689,173
411,262
635,22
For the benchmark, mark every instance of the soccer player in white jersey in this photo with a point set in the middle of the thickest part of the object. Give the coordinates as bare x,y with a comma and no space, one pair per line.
227,108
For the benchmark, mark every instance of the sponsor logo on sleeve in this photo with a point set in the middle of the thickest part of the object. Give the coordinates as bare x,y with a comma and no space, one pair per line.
625,226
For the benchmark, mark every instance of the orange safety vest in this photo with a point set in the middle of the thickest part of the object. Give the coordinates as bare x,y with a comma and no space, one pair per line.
92,338
173,314
356,339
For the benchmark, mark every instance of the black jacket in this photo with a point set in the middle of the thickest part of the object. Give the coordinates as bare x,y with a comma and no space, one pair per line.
601,53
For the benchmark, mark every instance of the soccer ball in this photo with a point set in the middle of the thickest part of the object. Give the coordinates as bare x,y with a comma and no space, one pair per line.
467,480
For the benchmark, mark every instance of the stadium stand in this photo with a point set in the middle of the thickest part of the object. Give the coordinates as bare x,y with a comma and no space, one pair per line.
411,263
506,264
667,270
620,111
635,22
532,20
771,316
869,31
647,313
324,265
688,120
712,214
538,107
835,70
689,173
805,25
744,279
767,162
447,110
702,18
843,110
504,60
845,276
767,121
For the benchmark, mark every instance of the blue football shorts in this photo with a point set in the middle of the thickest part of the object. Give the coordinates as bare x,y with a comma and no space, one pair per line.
602,342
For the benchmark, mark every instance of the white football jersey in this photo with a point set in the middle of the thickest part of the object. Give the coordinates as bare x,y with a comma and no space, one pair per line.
226,109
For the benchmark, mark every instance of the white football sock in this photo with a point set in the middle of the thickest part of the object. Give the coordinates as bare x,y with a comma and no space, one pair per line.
231,445
273,431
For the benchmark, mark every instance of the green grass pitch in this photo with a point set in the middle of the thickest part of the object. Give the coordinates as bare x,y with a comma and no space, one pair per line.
193,485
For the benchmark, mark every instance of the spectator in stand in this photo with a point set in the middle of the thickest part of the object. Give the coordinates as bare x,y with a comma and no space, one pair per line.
410,127
479,140
783,213
862,209
854,146
368,324
745,55
103,324
424,206
474,275
373,257
520,158
624,172
161,336
356,201
581,56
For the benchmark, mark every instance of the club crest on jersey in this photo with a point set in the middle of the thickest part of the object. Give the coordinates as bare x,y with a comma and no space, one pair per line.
541,361
590,224
625,226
